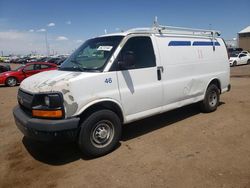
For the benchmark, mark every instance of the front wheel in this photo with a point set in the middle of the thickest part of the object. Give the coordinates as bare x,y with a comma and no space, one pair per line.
234,63
11,81
248,61
211,100
100,133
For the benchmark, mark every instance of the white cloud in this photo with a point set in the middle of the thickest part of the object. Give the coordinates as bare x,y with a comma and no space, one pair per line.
41,30
51,24
61,38
31,30
68,22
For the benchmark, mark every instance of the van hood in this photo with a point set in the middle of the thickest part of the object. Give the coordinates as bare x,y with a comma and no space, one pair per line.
57,81
50,81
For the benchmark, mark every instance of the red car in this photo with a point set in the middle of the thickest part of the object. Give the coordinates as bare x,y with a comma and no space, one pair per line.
12,78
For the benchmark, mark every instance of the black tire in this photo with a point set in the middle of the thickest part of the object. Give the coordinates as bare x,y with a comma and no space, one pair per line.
211,100
234,63
100,133
248,61
11,81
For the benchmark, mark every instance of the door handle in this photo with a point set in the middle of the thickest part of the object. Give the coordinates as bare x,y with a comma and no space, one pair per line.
159,71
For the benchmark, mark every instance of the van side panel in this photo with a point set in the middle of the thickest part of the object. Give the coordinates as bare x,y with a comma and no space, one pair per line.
190,63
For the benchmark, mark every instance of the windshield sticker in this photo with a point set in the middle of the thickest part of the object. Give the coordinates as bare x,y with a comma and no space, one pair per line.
105,48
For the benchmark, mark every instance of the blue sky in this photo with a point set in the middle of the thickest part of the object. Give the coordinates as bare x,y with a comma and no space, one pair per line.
72,22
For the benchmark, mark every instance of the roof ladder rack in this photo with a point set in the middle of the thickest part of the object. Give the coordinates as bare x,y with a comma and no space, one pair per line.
162,28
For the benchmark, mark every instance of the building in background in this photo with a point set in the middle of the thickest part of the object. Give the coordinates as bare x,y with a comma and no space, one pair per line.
244,38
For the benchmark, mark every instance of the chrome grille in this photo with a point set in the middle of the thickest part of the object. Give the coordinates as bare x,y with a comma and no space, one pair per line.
25,99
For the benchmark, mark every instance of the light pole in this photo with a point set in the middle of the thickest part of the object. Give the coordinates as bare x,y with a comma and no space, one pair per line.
46,42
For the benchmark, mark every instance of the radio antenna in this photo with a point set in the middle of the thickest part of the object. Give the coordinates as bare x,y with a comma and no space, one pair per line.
155,23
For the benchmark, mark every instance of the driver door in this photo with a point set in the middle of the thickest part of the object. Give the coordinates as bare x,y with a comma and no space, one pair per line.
140,88
31,70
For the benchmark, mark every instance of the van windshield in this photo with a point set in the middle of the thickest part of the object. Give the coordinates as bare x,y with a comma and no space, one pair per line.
93,55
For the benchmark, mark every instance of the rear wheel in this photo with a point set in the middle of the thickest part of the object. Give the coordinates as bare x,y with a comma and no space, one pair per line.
100,133
248,61
211,100
11,81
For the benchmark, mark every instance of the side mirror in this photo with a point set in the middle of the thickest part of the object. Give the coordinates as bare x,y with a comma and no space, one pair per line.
128,61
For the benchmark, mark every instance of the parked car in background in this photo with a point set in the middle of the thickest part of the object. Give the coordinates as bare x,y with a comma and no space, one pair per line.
2,59
233,51
53,60
239,59
12,78
4,68
245,52
42,59
60,61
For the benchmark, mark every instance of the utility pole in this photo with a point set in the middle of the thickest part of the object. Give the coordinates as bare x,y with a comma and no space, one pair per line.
2,53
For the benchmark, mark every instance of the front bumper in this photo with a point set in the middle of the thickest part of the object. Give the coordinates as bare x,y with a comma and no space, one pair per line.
44,129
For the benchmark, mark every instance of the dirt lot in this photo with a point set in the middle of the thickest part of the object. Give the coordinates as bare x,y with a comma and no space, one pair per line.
181,148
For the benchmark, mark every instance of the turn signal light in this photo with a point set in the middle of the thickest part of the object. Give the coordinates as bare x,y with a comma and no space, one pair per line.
47,114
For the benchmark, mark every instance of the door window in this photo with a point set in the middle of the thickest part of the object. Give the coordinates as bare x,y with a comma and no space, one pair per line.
37,66
45,66
29,68
142,50
242,55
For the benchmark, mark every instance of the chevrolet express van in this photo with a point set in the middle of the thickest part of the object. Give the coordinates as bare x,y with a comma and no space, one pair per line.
120,78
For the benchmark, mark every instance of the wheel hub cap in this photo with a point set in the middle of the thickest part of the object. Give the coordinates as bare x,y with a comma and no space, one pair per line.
11,81
213,99
102,134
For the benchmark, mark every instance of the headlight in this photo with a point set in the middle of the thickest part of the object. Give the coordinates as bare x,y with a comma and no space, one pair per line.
53,100
48,106
46,101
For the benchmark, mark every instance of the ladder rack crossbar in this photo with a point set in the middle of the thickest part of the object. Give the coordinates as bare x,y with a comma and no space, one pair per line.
178,30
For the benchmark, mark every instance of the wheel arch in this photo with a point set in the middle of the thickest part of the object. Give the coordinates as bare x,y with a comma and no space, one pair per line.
215,81
11,77
109,104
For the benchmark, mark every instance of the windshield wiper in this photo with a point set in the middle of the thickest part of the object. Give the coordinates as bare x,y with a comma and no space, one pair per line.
78,66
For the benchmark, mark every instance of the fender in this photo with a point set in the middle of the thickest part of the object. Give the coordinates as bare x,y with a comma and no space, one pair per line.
86,106
209,82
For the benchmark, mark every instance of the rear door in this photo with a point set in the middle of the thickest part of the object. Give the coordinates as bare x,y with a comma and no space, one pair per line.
140,87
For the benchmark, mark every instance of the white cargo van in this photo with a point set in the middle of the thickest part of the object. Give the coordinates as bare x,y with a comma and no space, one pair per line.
120,78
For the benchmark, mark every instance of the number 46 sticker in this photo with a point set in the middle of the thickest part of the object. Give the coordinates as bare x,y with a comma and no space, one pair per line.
108,80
